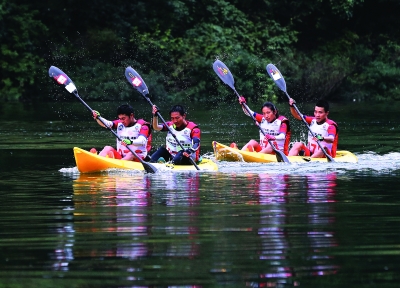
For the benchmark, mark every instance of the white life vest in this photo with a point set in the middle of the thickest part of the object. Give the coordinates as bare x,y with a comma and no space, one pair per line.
272,129
319,129
130,133
183,137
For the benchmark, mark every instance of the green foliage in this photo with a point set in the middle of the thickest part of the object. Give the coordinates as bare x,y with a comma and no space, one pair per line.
325,49
376,75
344,8
224,32
20,59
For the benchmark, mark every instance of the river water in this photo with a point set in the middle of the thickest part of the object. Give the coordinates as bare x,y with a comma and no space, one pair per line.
247,225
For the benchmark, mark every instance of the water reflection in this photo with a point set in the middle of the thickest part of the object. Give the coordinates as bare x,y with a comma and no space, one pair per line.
177,189
321,192
180,194
121,210
117,207
273,237
63,254
210,230
284,227
158,219
37,230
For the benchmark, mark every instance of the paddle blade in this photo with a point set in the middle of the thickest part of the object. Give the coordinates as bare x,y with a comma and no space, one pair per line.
148,167
281,157
62,79
136,81
276,75
223,73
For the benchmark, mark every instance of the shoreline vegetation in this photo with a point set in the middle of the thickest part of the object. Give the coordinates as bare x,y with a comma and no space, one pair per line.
338,50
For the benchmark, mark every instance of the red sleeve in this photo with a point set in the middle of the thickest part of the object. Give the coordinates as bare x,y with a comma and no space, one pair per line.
283,128
308,118
115,123
332,130
195,133
165,128
258,117
145,131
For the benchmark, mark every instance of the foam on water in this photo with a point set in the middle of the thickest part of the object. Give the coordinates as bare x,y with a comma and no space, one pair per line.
73,170
369,162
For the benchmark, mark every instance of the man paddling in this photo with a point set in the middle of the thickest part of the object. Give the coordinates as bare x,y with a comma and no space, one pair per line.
186,132
134,132
324,130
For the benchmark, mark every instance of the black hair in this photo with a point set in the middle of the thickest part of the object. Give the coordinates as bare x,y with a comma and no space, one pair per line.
178,108
323,103
272,107
125,109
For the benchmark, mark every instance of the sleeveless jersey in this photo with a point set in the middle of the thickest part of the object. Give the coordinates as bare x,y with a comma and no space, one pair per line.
132,133
323,130
273,129
183,136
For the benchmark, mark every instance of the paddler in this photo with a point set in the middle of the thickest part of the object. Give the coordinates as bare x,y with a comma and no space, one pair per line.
134,133
276,129
186,132
324,130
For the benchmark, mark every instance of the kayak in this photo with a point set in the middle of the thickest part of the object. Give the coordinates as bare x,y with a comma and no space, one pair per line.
226,153
87,162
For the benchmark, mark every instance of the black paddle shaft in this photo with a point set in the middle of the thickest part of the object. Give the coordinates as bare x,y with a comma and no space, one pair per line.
138,83
277,77
62,79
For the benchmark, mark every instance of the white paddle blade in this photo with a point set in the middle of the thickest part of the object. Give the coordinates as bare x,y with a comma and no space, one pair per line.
62,79
136,81
276,75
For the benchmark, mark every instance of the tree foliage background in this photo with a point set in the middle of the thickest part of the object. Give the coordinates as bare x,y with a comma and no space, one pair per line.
335,49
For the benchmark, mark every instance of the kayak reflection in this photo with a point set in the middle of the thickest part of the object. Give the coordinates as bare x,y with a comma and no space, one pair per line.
114,208
131,209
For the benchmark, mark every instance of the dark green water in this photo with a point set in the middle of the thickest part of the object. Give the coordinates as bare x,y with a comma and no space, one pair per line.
247,225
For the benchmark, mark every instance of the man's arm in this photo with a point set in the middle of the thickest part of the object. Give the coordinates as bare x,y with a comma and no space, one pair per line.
331,134
97,117
293,110
156,126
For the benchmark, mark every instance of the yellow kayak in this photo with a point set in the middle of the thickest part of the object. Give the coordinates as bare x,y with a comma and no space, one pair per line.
226,153
87,162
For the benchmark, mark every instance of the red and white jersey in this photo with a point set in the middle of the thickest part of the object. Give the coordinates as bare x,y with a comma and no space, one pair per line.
325,129
184,137
140,128
274,128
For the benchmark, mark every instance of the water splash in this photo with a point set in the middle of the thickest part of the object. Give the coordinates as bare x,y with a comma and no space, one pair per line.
368,163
